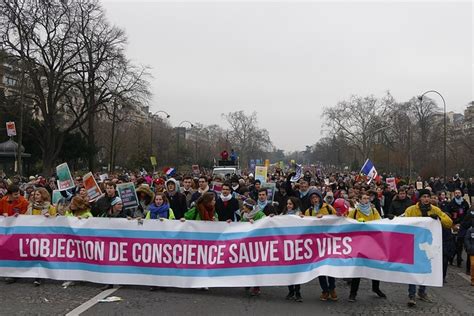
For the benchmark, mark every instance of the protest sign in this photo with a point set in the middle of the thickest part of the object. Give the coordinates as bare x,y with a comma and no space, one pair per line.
419,185
267,163
93,190
103,177
216,187
128,195
11,129
65,180
392,184
261,173
196,170
56,196
153,161
271,189
273,251
298,174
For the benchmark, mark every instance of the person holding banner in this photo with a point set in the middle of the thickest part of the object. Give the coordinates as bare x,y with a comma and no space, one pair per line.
205,209
79,208
318,208
264,204
251,213
13,204
41,204
424,209
364,212
292,208
227,205
160,208
177,200
145,197
102,206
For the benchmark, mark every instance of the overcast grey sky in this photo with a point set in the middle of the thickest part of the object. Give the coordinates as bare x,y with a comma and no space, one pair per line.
288,60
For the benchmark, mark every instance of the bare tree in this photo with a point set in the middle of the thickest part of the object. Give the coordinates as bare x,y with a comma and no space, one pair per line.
359,119
42,37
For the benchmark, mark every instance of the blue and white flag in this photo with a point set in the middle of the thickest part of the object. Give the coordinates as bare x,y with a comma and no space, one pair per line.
369,170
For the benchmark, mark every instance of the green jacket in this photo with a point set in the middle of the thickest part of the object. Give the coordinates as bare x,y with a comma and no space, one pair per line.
193,214
259,215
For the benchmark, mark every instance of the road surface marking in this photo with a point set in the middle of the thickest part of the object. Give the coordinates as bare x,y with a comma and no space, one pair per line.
85,306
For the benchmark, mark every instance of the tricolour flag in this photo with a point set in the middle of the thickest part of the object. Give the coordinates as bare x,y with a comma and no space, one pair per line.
369,170
169,171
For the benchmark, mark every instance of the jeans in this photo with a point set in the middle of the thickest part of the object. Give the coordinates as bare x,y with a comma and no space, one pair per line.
412,290
356,282
445,266
327,283
294,288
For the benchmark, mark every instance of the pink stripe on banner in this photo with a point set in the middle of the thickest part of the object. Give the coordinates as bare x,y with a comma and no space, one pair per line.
278,250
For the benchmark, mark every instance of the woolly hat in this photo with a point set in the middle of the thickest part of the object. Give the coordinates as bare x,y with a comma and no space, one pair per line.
422,192
115,201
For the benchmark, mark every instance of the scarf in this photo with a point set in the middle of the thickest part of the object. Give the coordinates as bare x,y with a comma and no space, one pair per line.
225,198
293,212
43,206
250,215
458,200
425,208
262,205
203,191
303,193
315,209
365,208
206,212
157,212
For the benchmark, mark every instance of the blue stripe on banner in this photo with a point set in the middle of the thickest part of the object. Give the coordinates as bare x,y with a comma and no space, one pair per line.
122,233
421,235
397,267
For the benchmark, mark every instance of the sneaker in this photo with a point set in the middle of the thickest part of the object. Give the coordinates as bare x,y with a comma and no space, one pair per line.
324,296
424,297
411,302
380,293
352,298
298,298
290,296
10,280
255,291
67,284
36,282
333,295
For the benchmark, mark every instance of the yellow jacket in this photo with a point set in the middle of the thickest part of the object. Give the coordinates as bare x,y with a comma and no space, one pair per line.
324,210
415,211
358,215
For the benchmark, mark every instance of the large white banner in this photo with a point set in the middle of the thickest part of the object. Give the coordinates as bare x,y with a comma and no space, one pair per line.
278,250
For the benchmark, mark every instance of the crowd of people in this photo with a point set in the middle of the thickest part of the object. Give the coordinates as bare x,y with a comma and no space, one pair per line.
242,198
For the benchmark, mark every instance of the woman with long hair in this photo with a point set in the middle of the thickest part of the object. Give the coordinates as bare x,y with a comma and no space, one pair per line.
41,204
205,209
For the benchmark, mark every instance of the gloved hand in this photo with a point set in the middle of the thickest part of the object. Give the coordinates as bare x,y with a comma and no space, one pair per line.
434,216
390,216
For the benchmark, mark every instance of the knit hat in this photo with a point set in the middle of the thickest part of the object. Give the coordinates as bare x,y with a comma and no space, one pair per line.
115,201
422,192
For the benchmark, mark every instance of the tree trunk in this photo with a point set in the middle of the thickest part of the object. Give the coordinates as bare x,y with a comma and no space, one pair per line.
91,142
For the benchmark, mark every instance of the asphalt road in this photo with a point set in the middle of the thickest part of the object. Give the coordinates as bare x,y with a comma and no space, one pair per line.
22,298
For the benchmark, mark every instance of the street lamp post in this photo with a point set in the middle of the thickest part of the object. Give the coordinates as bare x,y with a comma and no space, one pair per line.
445,127
177,139
151,127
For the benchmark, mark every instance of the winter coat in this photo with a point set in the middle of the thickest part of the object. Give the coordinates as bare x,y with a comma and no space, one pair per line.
227,210
469,241
102,206
358,215
170,214
415,211
449,244
257,216
177,200
43,209
398,207
19,206
193,214
84,214
458,212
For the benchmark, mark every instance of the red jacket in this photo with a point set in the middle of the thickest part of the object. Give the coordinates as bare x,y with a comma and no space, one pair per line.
12,207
